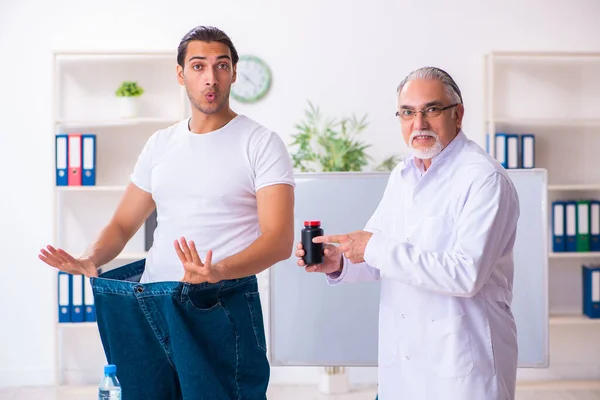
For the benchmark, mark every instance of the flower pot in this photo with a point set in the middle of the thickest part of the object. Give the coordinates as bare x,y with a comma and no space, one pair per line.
128,106
334,380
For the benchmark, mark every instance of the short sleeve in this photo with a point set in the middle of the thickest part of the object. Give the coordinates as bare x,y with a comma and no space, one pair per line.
272,162
143,167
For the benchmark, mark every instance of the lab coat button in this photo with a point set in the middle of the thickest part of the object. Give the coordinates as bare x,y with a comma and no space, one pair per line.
407,240
407,358
402,315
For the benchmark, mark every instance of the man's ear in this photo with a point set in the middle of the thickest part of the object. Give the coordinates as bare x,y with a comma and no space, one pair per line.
460,112
234,73
180,74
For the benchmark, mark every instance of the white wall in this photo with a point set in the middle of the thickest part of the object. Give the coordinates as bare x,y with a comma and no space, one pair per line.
344,56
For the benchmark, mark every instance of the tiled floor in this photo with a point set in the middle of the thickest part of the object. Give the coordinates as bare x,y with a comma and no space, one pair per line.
568,391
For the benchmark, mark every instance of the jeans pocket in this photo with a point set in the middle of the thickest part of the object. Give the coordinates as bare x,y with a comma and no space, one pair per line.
203,300
253,300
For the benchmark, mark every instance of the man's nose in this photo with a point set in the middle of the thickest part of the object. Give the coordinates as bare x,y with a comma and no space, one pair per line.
210,77
420,122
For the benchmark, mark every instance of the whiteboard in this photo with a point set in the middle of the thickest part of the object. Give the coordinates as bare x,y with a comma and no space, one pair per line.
315,324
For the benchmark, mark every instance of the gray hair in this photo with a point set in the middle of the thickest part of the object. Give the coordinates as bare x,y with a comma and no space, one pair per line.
435,74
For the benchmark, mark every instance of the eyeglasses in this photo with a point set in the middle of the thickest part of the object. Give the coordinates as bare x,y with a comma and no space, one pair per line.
429,112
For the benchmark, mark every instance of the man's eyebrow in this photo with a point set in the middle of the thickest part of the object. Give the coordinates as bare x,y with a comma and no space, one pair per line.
204,58
431,103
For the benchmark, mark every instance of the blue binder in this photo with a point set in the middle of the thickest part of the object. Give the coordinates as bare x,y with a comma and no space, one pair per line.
528,151
595,225
88,151
88,301
591,290
512,151
62,159
500,149
558,227
77,298
64,297
570,226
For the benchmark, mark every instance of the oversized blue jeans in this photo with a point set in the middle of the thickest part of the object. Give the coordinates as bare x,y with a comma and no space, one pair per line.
175,340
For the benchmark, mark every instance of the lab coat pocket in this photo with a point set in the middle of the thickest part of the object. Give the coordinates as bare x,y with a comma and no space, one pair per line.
435,233
448,347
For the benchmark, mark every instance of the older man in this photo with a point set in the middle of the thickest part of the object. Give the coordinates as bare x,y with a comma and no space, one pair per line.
441,243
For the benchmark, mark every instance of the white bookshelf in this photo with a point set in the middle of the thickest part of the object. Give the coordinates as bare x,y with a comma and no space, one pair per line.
84,102
113,123
106,188
575,255
573,319
575,187
555,96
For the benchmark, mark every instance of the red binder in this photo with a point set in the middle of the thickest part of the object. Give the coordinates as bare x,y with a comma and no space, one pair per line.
74,159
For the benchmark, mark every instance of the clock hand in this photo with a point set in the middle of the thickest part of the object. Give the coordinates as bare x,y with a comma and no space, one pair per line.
248,79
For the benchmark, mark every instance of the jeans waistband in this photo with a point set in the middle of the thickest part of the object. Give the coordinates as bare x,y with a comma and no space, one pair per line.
125,280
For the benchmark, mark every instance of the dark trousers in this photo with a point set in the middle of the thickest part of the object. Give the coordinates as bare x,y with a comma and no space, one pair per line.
175,340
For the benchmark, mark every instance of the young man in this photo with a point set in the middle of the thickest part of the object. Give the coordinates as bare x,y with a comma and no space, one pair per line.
187,322
441,242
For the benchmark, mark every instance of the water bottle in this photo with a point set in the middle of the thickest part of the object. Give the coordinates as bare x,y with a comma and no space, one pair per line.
110,388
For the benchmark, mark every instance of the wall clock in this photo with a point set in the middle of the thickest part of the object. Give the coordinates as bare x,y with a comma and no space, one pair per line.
253,79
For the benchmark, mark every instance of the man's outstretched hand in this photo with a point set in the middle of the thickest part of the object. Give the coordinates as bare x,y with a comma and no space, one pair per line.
65,262
196,271
352,245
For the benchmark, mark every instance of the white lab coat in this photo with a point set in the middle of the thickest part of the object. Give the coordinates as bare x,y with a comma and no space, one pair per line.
442,247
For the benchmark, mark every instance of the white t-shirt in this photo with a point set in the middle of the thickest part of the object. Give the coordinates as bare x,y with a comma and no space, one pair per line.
204,187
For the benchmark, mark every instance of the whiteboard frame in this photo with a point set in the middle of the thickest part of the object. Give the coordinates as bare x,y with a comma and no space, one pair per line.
545,246
544,259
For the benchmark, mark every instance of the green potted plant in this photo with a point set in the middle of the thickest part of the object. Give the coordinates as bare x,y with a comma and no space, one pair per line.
329,145
389,163
128,95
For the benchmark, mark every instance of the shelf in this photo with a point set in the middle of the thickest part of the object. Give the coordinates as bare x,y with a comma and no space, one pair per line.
90,188
131,256
93,55
544,55
77,325
575,187
573,319
66,123
122,256
548,122
575,254
88,390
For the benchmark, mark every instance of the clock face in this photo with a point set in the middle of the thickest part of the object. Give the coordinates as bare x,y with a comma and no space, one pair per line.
253,79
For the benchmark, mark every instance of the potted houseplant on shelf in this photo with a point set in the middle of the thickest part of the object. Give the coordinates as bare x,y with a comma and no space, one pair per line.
128,96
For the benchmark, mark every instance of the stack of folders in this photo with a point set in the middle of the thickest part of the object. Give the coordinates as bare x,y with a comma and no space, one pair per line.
75,159
591,290
575,226
75,298
513,150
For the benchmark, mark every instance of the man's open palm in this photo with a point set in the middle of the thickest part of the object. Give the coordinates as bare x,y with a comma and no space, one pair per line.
196,271
65,262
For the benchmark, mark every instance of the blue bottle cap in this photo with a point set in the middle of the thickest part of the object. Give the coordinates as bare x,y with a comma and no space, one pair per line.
110,369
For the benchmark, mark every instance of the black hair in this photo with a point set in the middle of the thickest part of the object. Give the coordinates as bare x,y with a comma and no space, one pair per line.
205,34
